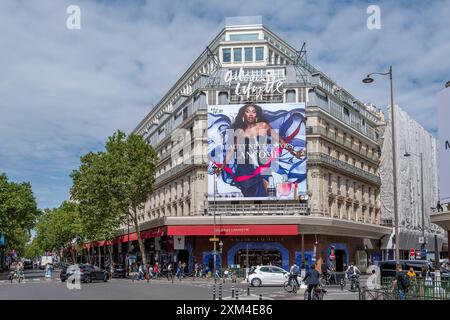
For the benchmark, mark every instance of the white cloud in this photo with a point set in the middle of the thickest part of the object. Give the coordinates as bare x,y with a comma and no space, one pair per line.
64,91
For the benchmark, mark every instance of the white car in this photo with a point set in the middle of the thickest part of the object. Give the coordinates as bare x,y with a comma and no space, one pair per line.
268,275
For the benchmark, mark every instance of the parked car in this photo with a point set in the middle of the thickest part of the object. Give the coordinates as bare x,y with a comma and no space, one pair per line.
388,268
267,275
27,264
119,272
87,273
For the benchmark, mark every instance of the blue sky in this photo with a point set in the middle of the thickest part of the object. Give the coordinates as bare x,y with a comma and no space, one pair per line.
64,91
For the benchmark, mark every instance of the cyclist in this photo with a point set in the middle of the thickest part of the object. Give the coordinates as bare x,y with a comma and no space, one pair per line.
312,279
352,273
293,274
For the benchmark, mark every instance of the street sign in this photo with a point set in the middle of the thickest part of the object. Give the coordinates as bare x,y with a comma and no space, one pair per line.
421,240
412,253
214,239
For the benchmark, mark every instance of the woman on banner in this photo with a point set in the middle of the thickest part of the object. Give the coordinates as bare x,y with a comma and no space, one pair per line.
248,163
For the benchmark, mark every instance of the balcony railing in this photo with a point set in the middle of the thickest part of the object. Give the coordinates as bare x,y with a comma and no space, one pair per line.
258,209
341,165
323,132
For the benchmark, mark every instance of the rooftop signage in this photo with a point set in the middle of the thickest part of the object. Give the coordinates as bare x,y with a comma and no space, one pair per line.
253,84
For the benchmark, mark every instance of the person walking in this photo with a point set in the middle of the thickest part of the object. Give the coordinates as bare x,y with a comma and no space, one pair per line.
401,283
169,271
312,279
156,270
196,270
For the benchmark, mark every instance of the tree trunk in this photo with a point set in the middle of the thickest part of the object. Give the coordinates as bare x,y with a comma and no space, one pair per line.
138,231
72,249
111,258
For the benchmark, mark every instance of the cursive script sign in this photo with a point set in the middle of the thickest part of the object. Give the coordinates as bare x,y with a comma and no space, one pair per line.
253,84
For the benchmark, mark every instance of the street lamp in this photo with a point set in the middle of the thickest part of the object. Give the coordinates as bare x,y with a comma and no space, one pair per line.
408,154
214,231
367,80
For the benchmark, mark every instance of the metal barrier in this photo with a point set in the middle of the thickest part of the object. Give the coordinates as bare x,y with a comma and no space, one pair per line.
419,289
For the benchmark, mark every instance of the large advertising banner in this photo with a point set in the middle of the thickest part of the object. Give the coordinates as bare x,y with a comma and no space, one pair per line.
444,144
257,152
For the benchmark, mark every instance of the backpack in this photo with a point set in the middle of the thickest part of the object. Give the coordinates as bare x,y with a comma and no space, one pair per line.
296,270
406,282
351,270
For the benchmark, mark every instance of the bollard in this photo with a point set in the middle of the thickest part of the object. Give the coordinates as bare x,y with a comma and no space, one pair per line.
248,291
237,294
260,296
220,292
214,292
232,291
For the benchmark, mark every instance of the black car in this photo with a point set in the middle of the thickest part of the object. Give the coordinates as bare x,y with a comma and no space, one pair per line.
119,272
87,273
388,268
28,264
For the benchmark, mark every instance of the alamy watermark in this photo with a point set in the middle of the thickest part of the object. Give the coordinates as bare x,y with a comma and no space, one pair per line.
73,22
374,19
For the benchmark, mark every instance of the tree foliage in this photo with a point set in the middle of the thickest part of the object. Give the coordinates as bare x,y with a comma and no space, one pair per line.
57,229
112,186
18,212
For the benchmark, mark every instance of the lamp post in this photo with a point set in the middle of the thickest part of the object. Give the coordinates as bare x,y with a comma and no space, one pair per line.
408,154
214,230
369,79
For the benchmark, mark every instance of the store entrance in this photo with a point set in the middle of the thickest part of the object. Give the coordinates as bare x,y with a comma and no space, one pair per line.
340,260
258,257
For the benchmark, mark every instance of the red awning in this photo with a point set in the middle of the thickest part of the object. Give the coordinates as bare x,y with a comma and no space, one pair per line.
152,233
235,230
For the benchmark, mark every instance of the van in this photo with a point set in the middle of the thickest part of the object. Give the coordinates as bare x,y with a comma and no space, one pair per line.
44,261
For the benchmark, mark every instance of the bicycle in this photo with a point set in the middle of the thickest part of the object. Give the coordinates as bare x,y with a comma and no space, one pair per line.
291,285
316,294
326,279
354,283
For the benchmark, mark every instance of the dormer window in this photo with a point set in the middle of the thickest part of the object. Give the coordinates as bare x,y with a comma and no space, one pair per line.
226,55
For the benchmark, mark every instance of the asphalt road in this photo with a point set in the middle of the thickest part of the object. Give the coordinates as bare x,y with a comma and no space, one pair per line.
37,287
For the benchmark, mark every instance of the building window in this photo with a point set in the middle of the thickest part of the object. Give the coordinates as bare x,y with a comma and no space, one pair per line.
290,95
226,55
248,54
237,54
338,155
354,162
329,151
223,98
244,37
259,53
330,180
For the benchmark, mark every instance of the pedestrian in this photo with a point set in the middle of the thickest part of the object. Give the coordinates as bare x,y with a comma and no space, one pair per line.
156,270
312,279
169,271
134,271
401,283
439,207
196,269
183,269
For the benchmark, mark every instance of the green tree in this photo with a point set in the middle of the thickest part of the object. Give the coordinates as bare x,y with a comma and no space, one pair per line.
18,212
57,228
111,187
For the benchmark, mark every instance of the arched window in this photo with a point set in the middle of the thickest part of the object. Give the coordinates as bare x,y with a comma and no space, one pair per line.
223,98
290,96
